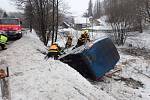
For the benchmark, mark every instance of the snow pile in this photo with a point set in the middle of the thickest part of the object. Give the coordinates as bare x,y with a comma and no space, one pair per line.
62,36
70,30
136,85
103,24
100,28
102,21
141,40
33,78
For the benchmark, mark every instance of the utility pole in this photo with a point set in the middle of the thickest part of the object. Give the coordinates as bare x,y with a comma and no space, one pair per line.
57,21
86,18
53,22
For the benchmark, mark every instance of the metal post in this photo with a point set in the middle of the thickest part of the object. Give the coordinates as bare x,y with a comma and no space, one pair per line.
92,27
86,22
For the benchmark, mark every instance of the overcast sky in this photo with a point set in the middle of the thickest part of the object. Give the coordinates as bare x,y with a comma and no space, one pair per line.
77,7
7,5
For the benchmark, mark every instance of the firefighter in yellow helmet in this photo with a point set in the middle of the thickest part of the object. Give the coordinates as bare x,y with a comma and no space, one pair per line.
84,38
3,41
54,51
69,42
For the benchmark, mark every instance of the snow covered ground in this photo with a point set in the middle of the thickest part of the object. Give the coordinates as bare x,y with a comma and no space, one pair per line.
132,81
33,78
141,40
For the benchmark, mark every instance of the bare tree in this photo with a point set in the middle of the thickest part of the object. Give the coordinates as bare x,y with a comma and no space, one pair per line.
38,14
29,14
2,13
97,11
144,9
90,9
123,15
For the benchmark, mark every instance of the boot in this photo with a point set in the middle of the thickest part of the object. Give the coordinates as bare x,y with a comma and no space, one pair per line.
3,47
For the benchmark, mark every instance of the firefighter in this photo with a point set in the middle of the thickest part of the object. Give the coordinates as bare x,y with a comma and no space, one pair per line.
54,51
83,39
69,42
3,41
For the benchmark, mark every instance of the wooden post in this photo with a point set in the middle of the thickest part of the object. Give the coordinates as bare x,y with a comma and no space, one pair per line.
5,87
7,72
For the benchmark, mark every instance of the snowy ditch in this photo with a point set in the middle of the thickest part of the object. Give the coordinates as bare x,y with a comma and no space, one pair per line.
33,78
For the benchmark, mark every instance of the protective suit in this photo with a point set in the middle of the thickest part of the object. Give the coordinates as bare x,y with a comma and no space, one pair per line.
83,39
69,42
3,41
54,51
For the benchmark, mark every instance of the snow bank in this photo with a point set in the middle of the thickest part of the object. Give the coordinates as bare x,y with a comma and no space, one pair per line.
141,40
33,78
132,67
103,24
102,27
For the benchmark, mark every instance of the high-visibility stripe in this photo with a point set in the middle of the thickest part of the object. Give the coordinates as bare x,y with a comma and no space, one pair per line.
52,51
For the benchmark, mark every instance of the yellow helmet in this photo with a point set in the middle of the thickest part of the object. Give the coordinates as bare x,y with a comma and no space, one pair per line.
54,43
85,32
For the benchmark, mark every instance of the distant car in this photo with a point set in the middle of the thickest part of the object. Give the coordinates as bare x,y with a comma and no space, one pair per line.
11,27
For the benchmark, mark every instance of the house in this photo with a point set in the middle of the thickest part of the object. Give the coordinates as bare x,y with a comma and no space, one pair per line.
65,25
81,22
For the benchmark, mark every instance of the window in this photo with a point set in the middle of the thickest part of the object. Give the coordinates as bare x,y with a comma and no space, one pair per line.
9,21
